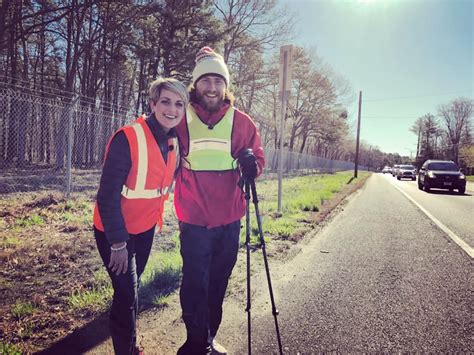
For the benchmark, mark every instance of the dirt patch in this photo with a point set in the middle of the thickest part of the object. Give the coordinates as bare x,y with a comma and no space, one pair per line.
41,264
47,253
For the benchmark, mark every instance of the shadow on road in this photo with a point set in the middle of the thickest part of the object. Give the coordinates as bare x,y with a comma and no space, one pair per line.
447,192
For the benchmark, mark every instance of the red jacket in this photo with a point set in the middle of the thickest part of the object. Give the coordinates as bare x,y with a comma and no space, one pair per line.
213,199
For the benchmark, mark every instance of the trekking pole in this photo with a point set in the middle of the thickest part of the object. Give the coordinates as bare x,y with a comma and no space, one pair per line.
247,244
267,269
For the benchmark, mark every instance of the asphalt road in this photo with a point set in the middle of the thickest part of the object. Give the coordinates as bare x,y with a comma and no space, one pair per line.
453,210
381,277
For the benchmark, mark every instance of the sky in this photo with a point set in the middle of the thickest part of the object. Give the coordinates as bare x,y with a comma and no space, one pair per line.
407,57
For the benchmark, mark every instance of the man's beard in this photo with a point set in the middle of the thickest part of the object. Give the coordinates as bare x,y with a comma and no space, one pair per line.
209,107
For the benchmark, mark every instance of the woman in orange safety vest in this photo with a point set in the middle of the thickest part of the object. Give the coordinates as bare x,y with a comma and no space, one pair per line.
138,171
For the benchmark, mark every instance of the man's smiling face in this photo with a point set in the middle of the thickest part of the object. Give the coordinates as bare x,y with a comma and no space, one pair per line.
210,90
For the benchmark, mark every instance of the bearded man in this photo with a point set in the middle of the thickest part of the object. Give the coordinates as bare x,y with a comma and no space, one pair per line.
208,201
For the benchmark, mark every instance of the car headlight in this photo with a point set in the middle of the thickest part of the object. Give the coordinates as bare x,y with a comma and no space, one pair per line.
461,176
431,175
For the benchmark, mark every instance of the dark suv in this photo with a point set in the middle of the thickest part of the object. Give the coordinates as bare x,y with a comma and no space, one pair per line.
441,174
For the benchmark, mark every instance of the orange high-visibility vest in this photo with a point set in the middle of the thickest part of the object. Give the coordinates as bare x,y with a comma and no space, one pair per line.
148,181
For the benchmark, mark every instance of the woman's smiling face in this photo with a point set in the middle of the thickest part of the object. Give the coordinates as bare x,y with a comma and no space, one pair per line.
169,109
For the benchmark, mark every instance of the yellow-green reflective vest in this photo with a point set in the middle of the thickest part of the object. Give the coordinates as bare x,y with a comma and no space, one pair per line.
209,149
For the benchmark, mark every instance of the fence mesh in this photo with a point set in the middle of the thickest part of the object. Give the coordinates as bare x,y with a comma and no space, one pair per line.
57,142
52,141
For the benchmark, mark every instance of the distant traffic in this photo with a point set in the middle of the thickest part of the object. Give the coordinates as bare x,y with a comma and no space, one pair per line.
439,174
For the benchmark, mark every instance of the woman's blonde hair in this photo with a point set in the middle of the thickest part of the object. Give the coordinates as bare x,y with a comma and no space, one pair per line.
170,84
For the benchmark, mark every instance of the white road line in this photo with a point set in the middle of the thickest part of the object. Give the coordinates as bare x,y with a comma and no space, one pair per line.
464,246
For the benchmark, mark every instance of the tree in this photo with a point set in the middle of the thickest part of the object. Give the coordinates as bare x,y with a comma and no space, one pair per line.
466,158
105,53
314,110
428,130
457,118
252,24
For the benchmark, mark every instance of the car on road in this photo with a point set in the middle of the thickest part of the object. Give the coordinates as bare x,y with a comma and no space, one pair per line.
406,172
386,169
441,174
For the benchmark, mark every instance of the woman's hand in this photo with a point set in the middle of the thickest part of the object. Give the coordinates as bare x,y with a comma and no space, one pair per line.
118,258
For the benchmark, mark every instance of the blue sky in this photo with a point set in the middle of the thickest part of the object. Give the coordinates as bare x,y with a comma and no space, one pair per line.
406,56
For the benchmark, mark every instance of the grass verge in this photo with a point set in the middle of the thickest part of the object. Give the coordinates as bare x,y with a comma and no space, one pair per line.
53,282
302,197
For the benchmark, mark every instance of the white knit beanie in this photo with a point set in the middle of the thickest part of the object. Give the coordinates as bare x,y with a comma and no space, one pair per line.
209,62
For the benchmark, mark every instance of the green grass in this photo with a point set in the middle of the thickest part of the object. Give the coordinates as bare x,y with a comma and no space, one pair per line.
9,242
78,205
470,178
161,277
9,349
33,220
161,301
300,195
282,227
77,211
75,217
97,296
22,309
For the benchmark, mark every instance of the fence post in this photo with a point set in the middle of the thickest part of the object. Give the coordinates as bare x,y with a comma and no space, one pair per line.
70,133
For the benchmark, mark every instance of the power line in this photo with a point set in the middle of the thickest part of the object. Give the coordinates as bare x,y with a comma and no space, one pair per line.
417,96
389,117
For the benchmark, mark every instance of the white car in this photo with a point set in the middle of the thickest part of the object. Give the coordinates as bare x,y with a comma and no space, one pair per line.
387,169
406,172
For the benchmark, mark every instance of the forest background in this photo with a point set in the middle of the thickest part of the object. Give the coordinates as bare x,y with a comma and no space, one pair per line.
101,56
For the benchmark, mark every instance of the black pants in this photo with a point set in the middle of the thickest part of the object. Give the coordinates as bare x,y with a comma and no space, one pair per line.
209,255
124,310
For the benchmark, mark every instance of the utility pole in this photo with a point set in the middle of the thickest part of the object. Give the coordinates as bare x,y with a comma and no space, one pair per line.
286,59
418,144
358,135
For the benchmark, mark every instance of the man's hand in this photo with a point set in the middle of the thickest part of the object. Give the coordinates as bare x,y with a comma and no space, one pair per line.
118,258
248,164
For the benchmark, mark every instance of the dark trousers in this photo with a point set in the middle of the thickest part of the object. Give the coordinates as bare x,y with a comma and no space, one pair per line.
209,255
124,310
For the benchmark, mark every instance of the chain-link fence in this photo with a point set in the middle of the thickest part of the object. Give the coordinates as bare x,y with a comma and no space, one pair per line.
55,141
293,161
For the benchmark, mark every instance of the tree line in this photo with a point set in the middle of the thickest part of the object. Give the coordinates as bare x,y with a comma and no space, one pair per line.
446,135
99,56
105,53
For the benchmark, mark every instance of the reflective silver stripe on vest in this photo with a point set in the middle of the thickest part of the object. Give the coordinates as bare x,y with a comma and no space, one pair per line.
147,194
211,143
140,191
142,157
